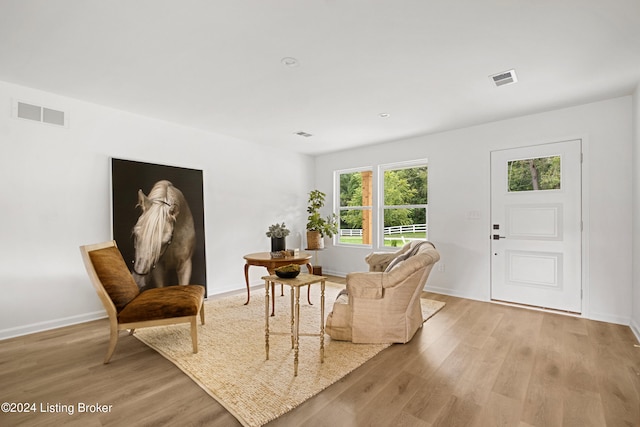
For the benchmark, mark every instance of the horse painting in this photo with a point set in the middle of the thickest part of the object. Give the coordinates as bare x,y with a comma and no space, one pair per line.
164,237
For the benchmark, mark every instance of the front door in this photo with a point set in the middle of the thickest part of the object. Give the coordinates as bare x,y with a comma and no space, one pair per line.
536,226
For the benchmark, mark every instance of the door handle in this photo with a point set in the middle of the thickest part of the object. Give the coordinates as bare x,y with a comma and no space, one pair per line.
498,237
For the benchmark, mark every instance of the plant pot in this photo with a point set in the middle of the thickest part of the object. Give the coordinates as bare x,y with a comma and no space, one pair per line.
278,244
314,240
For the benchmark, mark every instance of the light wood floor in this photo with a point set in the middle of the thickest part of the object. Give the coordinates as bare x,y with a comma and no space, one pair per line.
473,364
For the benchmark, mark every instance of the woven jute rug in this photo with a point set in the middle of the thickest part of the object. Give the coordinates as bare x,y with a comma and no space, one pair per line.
230,364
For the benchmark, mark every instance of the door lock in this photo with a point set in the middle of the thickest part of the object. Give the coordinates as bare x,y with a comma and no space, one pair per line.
498,237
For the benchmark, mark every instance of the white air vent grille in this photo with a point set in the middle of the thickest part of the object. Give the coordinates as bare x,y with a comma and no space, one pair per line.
504,78
40,114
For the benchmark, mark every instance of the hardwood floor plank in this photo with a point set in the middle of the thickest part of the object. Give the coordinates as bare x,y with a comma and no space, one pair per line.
386,406
438,390
407,420
499,411
581,369
458,412
617,391
478,379
583,408
543,405
515,372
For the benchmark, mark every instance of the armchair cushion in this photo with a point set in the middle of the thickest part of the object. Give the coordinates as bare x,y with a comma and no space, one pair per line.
413,249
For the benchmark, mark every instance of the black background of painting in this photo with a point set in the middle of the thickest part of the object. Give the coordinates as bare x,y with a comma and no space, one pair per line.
127,177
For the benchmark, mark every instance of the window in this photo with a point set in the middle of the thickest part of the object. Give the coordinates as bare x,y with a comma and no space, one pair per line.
405,196
542,173
355,207
398,213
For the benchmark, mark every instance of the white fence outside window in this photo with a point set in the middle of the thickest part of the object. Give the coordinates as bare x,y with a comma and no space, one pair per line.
388,231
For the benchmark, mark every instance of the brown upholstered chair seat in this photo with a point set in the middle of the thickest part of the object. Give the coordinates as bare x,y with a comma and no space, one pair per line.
162,303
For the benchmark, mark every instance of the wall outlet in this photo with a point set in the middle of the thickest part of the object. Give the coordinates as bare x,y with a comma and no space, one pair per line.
441,267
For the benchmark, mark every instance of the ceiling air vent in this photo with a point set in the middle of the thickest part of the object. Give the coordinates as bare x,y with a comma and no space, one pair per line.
40,114
305,134
504,78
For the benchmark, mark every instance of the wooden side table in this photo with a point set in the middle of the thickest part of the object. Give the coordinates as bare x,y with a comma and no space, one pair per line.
264,259
303,279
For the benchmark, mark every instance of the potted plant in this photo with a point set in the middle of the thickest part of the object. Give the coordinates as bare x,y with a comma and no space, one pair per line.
278,233
317,226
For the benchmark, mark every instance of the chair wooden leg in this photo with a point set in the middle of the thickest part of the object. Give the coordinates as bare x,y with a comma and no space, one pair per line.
202,314
194,334
113,340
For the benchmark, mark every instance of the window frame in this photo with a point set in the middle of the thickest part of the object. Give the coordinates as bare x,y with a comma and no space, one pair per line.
377,201
381,207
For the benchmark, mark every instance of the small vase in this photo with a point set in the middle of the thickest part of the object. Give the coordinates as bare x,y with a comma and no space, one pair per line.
278,244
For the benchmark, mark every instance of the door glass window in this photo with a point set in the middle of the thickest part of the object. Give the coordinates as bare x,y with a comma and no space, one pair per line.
542,173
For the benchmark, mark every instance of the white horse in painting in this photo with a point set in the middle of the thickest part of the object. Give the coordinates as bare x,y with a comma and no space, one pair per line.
164,237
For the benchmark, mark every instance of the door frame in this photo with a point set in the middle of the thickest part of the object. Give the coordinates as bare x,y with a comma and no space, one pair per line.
584,196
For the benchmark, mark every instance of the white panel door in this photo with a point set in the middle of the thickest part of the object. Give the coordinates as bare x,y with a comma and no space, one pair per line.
536,226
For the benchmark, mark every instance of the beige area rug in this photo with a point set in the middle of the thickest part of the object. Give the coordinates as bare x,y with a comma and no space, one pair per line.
230,364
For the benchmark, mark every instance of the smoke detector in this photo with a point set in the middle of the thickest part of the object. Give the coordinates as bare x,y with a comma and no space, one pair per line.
504,78
289,61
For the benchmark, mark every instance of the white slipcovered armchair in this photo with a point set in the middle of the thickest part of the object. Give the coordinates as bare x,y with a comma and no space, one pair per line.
383,305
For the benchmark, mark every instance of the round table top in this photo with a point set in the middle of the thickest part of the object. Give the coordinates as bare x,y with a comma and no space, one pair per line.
266,256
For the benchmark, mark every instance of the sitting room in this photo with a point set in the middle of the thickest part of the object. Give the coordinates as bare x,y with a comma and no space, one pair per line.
473,168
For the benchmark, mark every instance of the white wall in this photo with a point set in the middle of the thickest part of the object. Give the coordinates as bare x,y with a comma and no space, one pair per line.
459,183
635,322
56,197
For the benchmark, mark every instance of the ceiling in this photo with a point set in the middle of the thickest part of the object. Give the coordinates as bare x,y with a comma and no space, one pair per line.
217,65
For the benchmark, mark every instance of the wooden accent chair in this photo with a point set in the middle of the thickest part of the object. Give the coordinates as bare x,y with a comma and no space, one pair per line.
127,307
383,304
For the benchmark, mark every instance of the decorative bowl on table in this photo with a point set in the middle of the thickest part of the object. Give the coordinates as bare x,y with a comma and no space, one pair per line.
288,271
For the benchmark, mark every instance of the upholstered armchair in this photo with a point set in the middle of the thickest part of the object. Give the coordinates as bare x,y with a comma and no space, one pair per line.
383,305
127,307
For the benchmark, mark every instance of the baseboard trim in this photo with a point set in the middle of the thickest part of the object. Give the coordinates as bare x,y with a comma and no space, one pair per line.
635,328
449,292
327,272
600,317
50,324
